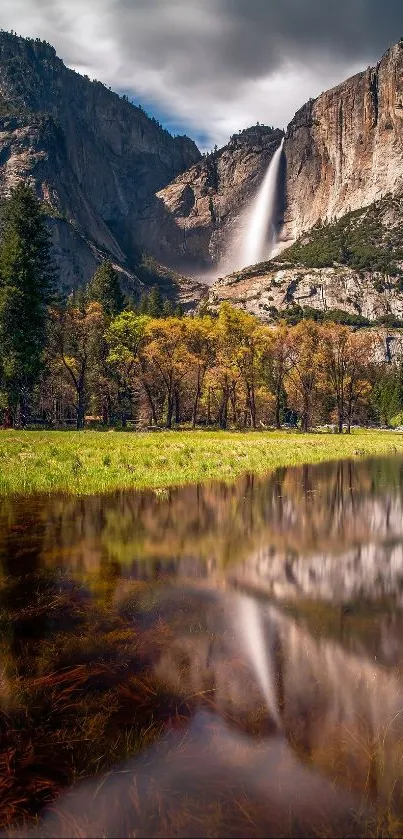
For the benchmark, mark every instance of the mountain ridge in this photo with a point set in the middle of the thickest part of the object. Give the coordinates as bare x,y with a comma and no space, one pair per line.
93,157
342,151
116,184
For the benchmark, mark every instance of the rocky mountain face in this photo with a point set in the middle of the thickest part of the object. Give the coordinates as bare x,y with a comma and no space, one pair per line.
191,220
282,289
115,183
269,289
353,265
342,151
94,158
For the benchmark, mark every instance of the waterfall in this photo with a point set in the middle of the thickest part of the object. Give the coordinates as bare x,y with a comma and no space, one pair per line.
260,230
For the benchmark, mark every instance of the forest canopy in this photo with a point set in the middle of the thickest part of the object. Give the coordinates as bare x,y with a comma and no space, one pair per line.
101,356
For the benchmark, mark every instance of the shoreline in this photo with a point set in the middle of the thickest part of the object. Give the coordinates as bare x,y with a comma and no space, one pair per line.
93,462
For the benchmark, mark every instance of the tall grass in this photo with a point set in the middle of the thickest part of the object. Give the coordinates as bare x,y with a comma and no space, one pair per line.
91,462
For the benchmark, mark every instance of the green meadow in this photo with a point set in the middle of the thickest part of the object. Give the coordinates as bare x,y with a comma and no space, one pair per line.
89,462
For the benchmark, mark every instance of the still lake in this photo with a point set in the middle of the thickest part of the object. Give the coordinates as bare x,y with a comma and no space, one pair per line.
213,660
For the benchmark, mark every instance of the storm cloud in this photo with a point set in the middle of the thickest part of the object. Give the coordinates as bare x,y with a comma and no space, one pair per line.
213,66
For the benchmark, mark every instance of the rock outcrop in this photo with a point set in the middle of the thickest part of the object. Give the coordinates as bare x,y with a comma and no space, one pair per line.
268,292
95,159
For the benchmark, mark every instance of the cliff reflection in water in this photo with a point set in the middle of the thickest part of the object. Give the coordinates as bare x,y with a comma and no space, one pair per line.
154,587
332,531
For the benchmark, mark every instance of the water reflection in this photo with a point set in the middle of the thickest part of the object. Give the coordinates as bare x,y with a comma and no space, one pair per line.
247,637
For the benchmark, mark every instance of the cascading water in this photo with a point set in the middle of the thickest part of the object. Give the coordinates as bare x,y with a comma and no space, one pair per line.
260,233
254,235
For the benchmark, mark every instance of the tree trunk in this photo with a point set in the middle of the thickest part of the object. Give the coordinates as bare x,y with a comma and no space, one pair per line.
80,409
109,409
8,419
23,410
209,407
170,410
252,405
196,402
150,402
350,411
278,408
177,407
223,412
279,395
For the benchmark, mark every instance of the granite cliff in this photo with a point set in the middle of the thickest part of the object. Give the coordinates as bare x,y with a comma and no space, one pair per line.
353,266
115,183
191,220
94,158
342,152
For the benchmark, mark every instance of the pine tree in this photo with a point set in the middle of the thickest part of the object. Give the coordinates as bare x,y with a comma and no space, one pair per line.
79,298
26,287
168,309
143,306
104,288
155,303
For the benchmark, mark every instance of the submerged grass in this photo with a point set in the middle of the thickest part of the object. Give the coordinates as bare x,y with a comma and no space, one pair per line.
76,701
89,462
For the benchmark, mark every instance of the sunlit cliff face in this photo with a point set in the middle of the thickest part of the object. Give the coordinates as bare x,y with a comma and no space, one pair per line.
349,141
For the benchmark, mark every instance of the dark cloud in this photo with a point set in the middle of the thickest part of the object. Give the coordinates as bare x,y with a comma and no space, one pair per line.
308,30
216,65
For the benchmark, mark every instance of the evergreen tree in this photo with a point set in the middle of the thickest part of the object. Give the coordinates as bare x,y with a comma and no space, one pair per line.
155,303
104,288
79,298
143,307
26,286
167,309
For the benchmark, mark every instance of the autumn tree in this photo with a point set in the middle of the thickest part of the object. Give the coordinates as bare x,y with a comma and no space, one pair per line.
360,372
201,347
242,337
346,357
305,378
167,355
223,379
125,337
76,336
277,356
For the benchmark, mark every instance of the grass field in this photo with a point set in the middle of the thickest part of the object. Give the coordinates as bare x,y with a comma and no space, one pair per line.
90,462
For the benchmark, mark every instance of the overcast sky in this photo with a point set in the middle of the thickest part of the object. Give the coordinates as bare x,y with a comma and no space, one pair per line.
210,67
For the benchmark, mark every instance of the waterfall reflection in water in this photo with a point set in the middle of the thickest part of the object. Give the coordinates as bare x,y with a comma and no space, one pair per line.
121,612
256,643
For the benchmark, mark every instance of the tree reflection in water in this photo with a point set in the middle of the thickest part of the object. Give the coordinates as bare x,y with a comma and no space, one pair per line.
121,654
